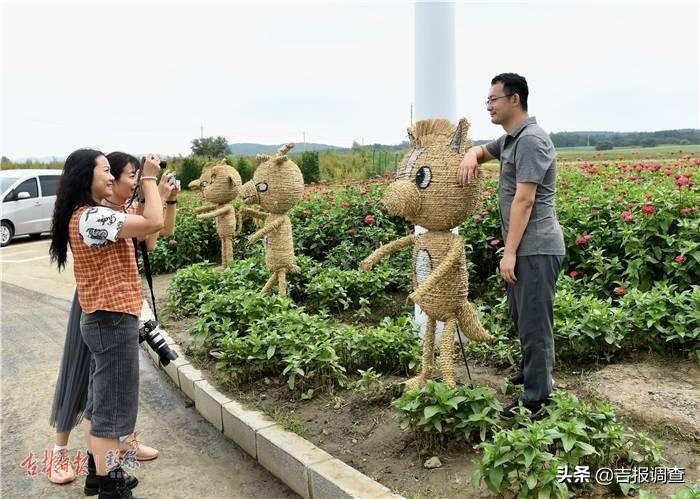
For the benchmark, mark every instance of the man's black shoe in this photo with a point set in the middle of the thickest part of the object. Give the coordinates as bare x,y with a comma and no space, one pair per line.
113,486
92,483
536,409
518,379
92,480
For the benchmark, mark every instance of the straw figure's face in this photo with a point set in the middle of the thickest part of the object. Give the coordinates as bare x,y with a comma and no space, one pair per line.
198,184
427,192
222,186
277,184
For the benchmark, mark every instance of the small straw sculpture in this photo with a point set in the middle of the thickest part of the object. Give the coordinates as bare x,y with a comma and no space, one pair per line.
277,185
220,184
427,193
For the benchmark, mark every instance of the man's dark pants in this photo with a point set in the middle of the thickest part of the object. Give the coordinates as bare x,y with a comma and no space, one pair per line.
530,303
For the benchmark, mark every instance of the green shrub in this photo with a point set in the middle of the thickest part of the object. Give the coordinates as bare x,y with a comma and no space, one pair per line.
662,317
370,383
254,335
587,328
291,343
191,287
329,218
310,166
526,458
194,241
191,170
438,414
333,289
392,347
245,169
313,353
231,313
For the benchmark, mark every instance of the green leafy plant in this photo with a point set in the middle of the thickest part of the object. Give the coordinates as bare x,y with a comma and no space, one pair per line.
438,414
392,347
526,458
370,383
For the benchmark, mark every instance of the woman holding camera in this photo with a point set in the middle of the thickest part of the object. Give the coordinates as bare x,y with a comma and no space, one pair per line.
109,292
71,391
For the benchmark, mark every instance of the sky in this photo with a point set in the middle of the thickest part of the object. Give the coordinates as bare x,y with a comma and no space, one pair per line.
146,77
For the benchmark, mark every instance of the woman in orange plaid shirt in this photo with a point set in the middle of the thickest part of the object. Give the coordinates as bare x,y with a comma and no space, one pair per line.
109,292
71,390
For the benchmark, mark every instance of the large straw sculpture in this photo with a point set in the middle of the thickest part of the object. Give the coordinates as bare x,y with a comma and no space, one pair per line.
220,184
277,185
427,194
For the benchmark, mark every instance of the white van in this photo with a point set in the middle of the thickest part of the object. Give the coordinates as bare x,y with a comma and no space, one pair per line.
26,202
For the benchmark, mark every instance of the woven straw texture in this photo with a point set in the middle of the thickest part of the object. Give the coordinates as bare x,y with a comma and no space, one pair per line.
220,184
427,193
277,185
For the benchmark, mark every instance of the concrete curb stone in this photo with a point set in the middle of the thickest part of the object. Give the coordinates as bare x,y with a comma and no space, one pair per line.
241,425
208,402
288,456
188,376
334,478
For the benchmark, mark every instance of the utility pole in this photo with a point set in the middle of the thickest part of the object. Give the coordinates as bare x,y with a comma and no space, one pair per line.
435,81
435,56
304,133
201,131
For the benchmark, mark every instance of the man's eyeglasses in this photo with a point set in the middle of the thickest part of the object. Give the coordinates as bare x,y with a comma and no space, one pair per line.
491,100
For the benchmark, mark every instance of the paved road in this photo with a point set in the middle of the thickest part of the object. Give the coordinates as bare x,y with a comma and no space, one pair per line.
196,460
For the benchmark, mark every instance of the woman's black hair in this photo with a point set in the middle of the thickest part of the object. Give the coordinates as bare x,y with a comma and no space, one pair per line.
74,190
118,161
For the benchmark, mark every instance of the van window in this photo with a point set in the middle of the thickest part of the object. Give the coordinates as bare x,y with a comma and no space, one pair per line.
29,186
6,182
49,184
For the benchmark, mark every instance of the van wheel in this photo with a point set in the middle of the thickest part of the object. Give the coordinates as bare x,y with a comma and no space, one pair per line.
6,233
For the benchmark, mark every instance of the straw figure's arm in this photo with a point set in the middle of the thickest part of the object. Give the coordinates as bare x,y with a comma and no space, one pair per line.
448,263
386,250
252,213
204,208
239,221
268,229
213,214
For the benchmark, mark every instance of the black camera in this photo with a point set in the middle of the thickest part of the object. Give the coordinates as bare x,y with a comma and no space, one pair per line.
151,334
163,164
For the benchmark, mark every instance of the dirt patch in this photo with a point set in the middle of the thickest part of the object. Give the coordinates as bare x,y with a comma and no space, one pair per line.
652,391
650,394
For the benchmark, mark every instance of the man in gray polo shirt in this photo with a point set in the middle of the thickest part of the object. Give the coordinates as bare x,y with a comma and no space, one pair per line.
534,245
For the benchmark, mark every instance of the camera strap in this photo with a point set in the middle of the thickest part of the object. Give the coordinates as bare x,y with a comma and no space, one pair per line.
147,271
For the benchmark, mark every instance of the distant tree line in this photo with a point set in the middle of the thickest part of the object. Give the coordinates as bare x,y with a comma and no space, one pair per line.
608,140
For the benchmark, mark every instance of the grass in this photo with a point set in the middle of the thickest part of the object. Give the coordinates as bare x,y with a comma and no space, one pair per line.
286,421
666,151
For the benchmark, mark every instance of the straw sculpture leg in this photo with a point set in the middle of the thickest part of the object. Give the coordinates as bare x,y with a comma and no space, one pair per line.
226,251
282,280
470,324
270,283
447,343
428,358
